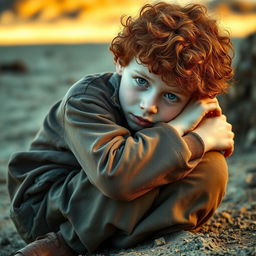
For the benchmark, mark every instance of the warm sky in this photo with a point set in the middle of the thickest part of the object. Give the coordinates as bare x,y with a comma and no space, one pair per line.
35,21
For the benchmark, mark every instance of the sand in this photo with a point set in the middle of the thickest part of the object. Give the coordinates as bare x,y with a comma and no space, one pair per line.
32,78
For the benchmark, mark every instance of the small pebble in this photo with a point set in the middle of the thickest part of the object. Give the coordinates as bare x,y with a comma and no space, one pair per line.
228,217
4,241
251,179
160,241
243,210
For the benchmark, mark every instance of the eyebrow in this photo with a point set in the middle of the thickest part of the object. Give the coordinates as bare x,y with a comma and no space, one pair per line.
141,73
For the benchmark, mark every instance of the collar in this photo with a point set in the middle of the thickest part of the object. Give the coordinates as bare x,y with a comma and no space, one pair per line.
114,80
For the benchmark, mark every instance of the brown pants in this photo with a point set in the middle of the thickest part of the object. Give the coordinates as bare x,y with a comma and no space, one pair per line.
87,219
184,205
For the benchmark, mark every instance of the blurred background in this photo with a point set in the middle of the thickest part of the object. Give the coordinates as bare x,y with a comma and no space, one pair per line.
47,45
80,21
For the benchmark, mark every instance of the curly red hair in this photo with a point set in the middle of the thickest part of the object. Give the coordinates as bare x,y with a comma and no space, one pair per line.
178,43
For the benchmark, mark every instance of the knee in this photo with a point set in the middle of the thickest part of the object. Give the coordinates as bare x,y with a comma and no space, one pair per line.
214,172
209,181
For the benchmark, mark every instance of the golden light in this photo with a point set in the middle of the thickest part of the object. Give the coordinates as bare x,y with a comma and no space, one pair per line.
49,21
82,21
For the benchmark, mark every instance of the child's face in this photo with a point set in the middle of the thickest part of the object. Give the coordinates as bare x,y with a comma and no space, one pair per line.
146,99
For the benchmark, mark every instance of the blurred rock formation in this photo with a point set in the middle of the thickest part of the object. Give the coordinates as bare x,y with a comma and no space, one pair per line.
240,102
238,6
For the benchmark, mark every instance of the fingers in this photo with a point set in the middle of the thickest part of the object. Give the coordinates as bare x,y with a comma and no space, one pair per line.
205,106
230,138
212,110
213,113
211,107
228,152
217,134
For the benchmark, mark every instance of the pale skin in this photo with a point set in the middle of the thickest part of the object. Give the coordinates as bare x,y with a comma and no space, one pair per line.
146,99
214,129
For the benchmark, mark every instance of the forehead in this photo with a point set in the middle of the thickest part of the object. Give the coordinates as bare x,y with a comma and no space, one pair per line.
136,66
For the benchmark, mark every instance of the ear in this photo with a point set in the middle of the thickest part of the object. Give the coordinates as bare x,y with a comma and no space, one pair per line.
119,68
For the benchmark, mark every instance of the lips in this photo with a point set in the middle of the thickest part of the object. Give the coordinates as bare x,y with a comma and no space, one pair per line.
141,121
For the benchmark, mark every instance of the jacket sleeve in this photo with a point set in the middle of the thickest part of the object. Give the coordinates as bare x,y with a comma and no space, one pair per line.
122,166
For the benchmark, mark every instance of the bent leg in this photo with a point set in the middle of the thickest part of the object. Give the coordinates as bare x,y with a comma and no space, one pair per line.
86,218
93,218
185,204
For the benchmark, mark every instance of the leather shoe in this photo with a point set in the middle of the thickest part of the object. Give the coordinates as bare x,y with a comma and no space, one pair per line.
51,244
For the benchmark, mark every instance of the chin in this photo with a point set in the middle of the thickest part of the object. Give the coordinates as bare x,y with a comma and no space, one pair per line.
135,128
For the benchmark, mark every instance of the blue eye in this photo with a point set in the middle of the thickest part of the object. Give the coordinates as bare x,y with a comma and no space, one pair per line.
171,97
141,81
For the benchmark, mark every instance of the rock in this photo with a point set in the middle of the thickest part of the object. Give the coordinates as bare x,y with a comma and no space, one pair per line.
243,210
159,241
240,101
4,241
251,179
16,66
228,217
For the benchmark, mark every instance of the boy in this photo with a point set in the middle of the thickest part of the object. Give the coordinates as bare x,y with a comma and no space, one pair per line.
135,154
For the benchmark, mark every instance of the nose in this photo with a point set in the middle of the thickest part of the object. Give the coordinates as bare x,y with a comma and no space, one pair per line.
149,105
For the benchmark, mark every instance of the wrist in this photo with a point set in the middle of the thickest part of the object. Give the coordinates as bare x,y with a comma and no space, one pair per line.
195,145
205,138
178,127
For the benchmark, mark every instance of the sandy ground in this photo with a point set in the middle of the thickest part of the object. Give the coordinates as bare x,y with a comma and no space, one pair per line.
25,97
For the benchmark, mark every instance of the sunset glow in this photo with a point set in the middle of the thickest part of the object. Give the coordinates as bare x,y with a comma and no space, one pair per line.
51,21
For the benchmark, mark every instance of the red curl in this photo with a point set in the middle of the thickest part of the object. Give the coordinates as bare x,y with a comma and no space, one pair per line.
181,44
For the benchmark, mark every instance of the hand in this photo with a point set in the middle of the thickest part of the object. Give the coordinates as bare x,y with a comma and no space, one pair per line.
193,114
217,134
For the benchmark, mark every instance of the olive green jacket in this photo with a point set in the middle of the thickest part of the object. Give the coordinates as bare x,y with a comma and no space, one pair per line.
86,132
